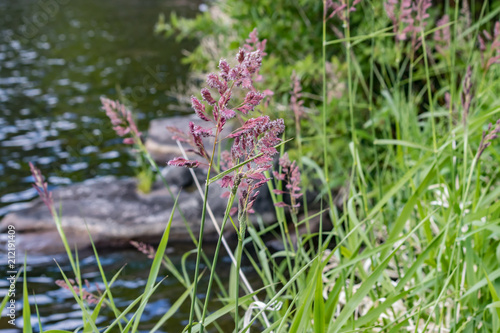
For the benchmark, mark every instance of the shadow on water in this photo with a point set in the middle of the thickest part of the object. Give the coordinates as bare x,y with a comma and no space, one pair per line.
57,57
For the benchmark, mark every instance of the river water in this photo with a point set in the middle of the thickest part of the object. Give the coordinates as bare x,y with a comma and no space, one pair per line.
57,57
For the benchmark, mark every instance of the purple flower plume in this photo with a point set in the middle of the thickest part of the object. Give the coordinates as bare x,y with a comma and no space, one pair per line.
41,187
295,99
488,136
467,93
182,162
442,36
257,137
408,19
339,8
89,297
121,119
253,43
219,107
291,174
489,46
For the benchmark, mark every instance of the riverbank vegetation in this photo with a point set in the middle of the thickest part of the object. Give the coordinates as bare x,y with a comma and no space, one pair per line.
388,219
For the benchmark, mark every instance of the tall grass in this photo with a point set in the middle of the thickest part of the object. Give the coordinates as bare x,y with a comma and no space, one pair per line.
415,241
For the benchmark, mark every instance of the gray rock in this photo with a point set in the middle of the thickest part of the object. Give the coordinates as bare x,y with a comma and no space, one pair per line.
115,213
159,141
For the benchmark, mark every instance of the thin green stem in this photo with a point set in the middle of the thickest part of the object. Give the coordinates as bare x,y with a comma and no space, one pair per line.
333,216
325,153
429,93
239,253
216,256
200,242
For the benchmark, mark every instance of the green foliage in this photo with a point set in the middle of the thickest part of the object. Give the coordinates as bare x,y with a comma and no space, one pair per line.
418,221
414,243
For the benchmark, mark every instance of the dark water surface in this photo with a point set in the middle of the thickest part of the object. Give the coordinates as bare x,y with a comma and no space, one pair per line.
59,310
57,57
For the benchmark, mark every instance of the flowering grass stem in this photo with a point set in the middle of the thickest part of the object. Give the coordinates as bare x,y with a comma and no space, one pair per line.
200,245
216,256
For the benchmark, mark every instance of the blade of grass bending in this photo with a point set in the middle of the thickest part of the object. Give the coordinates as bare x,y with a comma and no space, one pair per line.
6,298
354,301
219,313
385,32
62,235
26,304
290,282
173,309
400,222
480,284
85,313
155,267
409,273
304,307
97,309
396,187
367,285
401,143
375,313
493,293
282,321
130,307
38,314
103,276
485,19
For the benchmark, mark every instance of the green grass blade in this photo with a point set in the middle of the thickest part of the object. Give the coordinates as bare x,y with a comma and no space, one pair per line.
357,298
26,304
129,308
290,282
7,297
480,284
319,303
398,226
396,187
84,309
303,314
221,312
155,268
493,293
97,308
402,143
104,279
173,309
38,315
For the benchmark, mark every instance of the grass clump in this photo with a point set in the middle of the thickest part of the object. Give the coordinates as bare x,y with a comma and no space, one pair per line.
389,107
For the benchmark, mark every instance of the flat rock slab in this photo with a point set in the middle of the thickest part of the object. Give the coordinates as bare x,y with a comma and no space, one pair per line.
159,141
115,213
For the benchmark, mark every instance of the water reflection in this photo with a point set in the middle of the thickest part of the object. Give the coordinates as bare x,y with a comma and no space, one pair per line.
56,59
